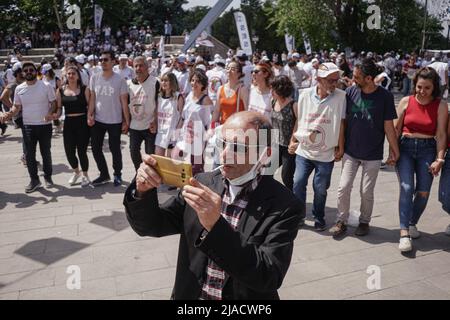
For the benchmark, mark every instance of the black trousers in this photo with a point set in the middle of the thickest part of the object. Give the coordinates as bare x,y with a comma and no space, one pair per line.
98,132
76,139
32,135
136,138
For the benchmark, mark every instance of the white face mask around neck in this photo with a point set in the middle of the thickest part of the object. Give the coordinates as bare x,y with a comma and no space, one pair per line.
252,174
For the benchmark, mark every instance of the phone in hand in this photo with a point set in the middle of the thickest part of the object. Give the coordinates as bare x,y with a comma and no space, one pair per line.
173,172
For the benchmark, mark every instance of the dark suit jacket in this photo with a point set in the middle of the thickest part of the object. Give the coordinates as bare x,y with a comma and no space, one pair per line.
256,256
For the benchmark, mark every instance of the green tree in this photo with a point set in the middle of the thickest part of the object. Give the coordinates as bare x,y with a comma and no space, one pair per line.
343,23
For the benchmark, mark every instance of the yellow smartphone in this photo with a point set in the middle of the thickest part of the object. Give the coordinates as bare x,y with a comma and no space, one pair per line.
173,172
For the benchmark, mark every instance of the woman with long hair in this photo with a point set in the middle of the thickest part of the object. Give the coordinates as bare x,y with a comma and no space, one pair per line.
194,123
170,106
283,119
260,96
74,97
422,129
232,96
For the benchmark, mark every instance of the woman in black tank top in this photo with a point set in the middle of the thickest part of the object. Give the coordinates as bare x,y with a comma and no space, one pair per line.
74,97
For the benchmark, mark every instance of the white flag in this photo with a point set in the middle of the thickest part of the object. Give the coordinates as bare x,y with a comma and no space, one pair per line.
161,46
290,42
98,15
307,44
244,37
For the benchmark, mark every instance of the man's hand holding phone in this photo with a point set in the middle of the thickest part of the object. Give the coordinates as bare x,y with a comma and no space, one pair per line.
147,178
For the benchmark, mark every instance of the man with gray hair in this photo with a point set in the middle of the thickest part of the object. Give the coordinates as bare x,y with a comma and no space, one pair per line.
143,91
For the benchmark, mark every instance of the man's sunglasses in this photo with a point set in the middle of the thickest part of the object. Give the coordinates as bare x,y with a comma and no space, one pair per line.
29,70
232,146
103,59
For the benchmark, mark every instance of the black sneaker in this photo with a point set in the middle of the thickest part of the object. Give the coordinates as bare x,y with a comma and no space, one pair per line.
362,230
117,181
48,182
33,186
101,180
320,226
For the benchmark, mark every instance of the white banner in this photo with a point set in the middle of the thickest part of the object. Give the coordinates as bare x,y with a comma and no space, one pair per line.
290,42
161,47
98,15
244,37
307,44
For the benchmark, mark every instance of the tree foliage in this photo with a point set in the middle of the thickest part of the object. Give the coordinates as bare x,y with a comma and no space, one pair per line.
334,23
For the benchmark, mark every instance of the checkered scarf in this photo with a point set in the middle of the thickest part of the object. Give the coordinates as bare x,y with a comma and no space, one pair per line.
231,211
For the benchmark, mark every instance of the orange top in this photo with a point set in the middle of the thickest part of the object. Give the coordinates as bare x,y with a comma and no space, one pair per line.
227,106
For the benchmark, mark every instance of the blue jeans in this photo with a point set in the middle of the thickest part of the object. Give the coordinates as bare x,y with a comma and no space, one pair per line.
407,84
416,155
321,183
444,184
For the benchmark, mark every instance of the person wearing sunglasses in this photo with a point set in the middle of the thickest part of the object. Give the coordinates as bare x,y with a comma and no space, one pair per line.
237,225
108,112
37,101
318,139
260,97
369,120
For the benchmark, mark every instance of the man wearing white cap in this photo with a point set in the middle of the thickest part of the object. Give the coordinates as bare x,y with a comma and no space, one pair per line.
81,60
318,139
123,69
216,78
182,75
92,66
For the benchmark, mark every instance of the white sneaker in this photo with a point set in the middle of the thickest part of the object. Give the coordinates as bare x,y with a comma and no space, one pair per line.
413,232
73,180
405,244
85,181
447,231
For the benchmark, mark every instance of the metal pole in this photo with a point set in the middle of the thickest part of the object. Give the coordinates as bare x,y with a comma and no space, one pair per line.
424,26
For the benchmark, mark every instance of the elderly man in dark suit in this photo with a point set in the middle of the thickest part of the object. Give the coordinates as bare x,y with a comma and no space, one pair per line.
237,225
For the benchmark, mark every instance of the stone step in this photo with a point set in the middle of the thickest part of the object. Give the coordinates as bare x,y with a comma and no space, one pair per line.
34,58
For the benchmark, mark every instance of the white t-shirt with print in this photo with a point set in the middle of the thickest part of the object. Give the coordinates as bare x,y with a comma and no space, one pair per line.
319,123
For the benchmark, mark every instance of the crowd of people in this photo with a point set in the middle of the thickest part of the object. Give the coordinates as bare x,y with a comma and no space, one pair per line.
327,107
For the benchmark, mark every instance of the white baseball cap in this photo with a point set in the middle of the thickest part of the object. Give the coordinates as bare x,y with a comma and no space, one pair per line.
123,57
46,68
314,61
80,58
17,66
296,55
325,69
181,58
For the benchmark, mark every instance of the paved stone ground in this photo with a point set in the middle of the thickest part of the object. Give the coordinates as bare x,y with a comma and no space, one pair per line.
44,233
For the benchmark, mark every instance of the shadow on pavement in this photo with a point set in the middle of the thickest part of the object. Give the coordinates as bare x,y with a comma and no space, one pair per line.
52,249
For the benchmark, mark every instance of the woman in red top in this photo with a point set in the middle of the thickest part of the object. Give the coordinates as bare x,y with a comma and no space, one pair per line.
421,126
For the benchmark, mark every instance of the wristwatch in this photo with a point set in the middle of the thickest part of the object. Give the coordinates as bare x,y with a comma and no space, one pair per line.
134,196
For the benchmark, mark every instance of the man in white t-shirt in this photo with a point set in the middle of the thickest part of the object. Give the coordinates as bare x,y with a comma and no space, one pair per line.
318,139
247,68
37,101
123,69
143,91
108,112
216,78
182,75
442,70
